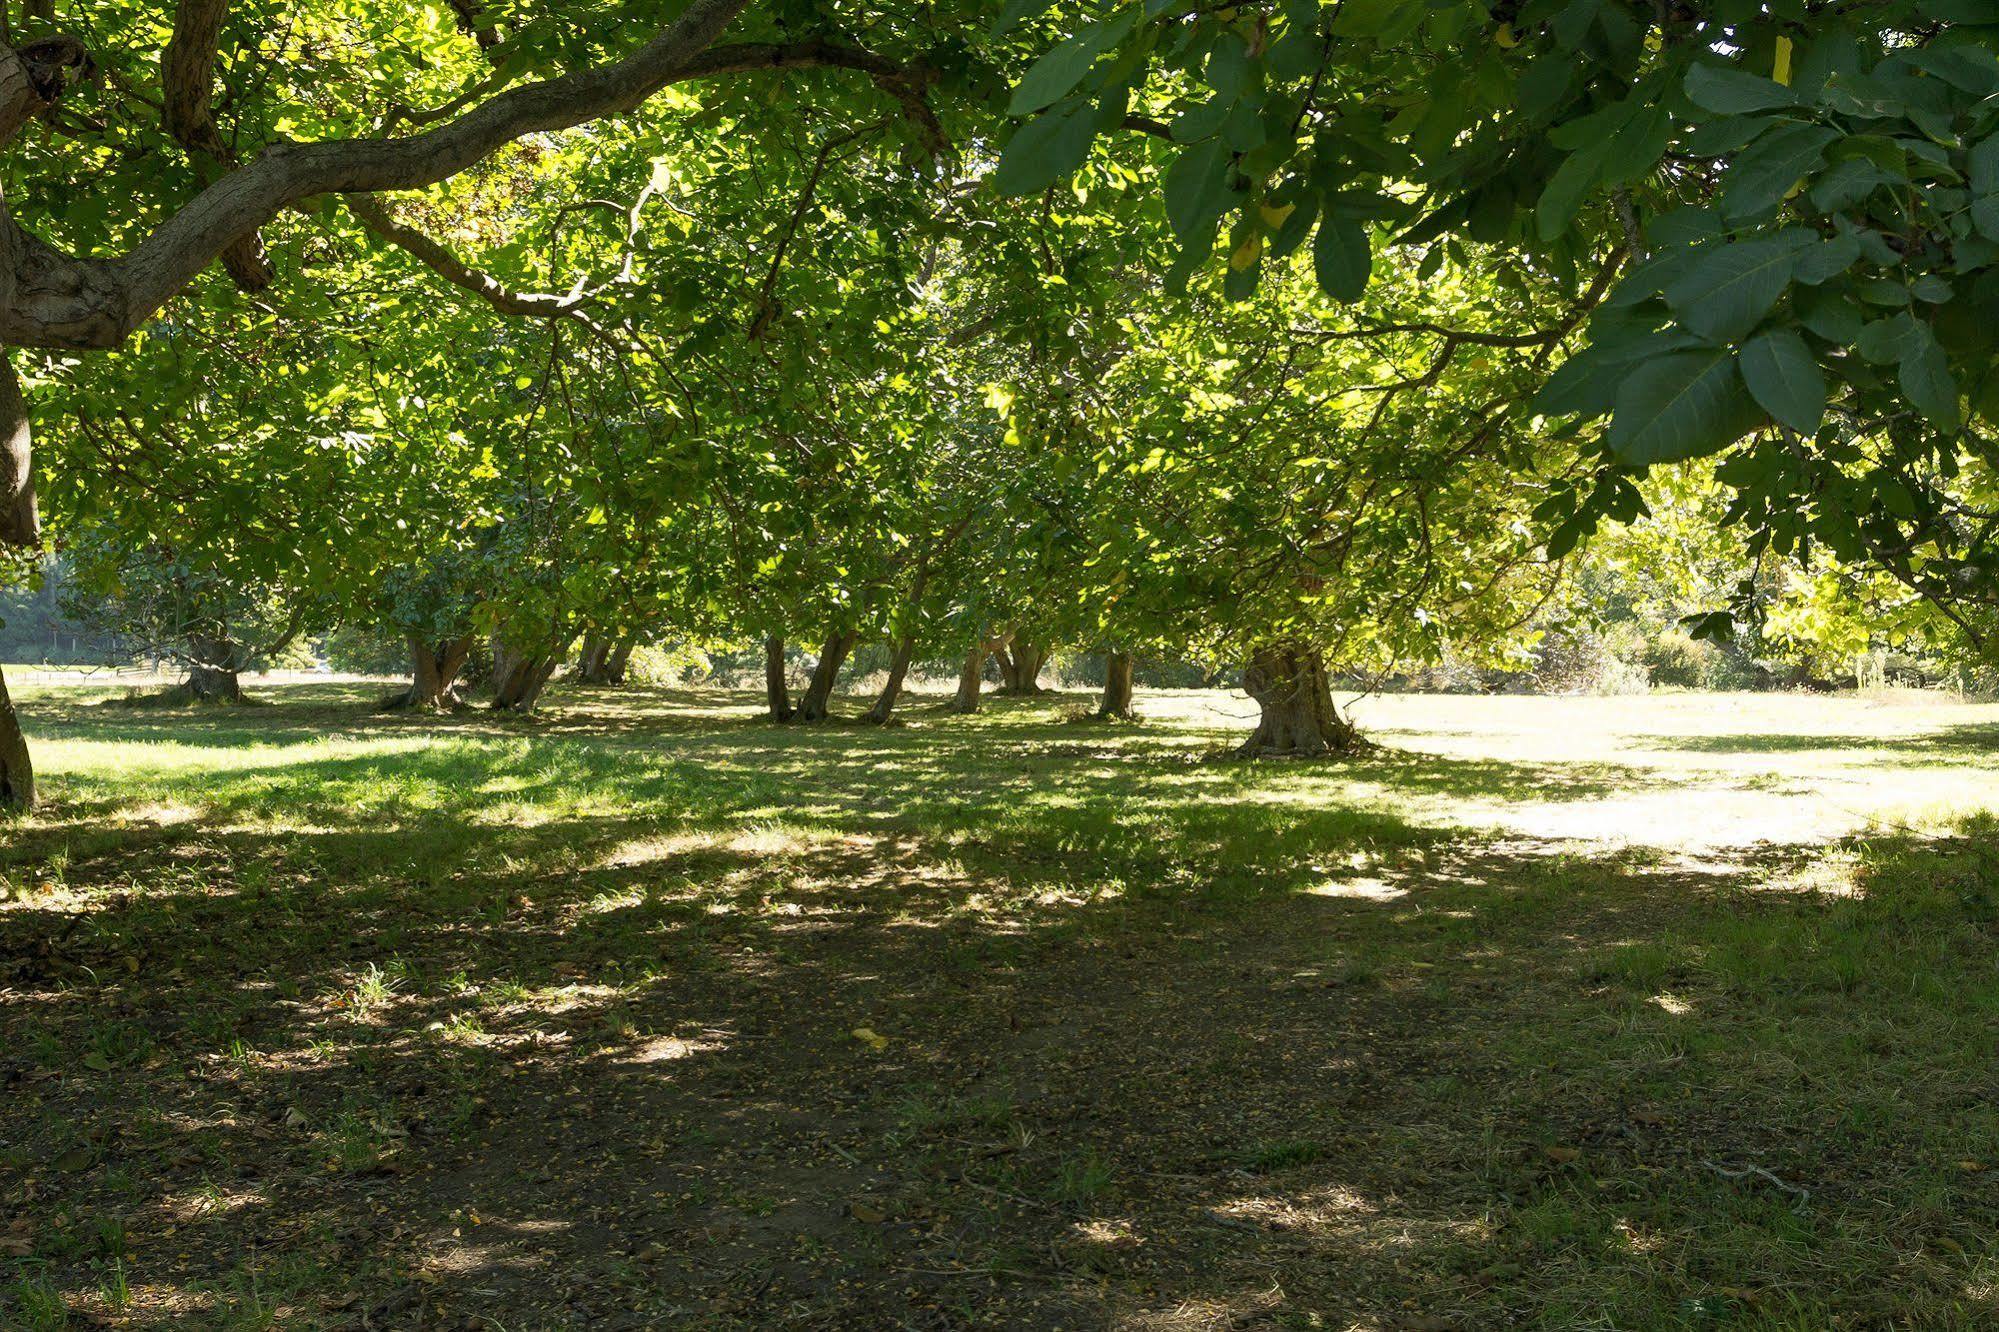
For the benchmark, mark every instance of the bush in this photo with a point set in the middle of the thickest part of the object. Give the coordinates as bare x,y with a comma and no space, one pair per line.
1677,660
651,664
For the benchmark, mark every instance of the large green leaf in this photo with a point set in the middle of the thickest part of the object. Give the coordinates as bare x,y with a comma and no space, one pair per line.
1733,286
1926,377
1766,171
1686,405
1051,78
1343,258
1197,189
1045,150
1785,379
1732,91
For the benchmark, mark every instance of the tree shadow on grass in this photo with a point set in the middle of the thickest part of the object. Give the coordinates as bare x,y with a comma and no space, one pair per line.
820,1033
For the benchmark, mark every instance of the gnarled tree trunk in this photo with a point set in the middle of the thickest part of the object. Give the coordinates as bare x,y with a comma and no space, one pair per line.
212,669
1295,701
520,673
777,689
17,769
1117,686
1020,667
898,668
434,669
816,705
603,660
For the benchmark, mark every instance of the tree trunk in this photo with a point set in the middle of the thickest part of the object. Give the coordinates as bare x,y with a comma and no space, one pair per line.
1020,667
1295,701
619,662
898,667
817,703
17,770
434,672
212,671
20,519
1117,687
593,663
966,701
520,674
776,689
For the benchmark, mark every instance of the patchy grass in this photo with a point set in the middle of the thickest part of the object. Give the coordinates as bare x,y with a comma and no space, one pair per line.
1641,1014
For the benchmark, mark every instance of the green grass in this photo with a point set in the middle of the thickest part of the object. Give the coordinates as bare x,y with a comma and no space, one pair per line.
1648,1014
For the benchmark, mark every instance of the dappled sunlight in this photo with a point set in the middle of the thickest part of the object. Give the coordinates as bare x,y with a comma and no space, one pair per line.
1140,1027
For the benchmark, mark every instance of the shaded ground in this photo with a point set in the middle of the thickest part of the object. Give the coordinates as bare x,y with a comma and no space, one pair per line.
647,1014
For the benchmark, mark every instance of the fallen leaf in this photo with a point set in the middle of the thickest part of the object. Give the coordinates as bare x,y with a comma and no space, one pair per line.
873,1039
860,1211
1563,1155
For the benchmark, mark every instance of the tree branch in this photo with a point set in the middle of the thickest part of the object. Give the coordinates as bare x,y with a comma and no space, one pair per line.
376,217
58,300
187,78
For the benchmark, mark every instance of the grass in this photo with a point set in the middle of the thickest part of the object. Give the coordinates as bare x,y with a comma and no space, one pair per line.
1641,1014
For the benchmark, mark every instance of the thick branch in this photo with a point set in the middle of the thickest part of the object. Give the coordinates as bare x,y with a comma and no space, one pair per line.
187,74
61,301
20,519
34,77
187,79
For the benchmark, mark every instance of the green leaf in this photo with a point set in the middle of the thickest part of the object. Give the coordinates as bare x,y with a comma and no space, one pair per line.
1045,150
1732,91
1051,78
1197,189
1785,378
1926,377
1343,258
1770,168
1566,188
1686,405
1828,259
1733,286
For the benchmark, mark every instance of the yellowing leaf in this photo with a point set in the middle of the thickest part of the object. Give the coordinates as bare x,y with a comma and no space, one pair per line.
1246,253
1781,71
1505,37
1273,218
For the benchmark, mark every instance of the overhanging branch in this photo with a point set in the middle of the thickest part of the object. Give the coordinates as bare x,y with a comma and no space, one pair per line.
59,300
